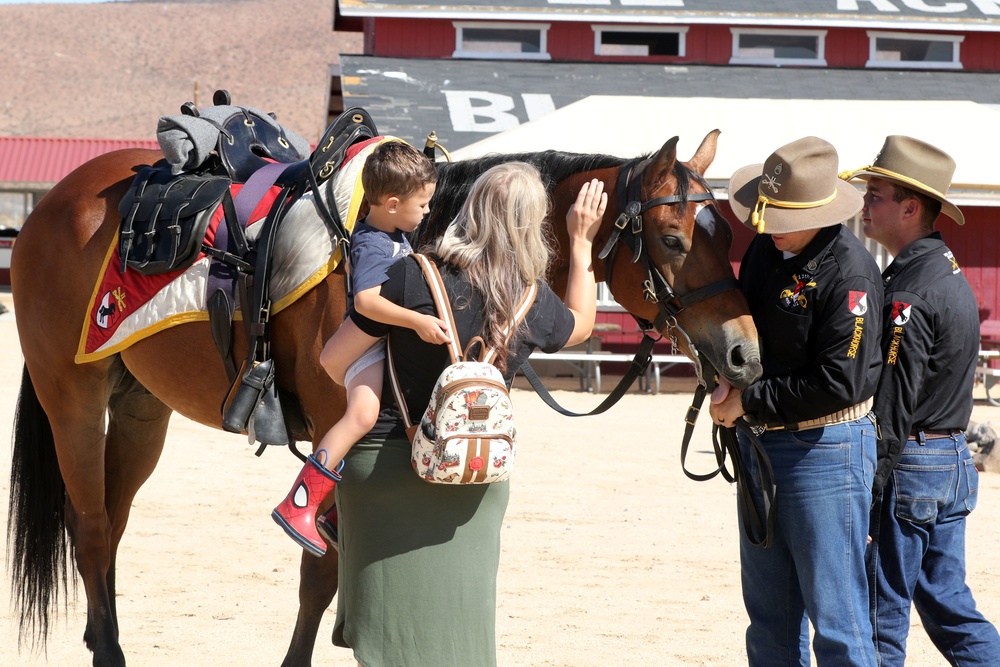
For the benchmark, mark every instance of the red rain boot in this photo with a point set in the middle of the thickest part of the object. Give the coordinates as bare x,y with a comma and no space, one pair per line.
297,512
326,524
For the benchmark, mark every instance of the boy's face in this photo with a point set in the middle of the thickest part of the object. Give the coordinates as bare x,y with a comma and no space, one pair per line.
410,211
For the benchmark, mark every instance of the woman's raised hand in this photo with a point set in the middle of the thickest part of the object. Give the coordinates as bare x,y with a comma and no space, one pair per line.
583,218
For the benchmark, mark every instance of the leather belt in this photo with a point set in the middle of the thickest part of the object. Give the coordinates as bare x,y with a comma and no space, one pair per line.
853,413
934,433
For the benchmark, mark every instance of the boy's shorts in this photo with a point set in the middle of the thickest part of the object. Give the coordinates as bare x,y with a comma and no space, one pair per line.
372,355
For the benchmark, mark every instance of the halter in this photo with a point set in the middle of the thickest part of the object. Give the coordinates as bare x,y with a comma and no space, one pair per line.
656,289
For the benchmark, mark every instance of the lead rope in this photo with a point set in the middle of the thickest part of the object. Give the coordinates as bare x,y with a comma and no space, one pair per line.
758,522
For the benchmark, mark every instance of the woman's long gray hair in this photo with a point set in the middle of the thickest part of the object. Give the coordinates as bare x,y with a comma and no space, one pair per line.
500,241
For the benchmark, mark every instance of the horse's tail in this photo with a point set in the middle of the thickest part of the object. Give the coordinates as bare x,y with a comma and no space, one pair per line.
36,519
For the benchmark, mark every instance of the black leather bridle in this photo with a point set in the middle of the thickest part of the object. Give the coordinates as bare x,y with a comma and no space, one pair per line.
628,230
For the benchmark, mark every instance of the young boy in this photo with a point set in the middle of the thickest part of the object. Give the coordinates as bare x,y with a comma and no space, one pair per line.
399,182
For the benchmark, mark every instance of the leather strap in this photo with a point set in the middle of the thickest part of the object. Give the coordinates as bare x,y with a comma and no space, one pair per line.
636,368
443,306
758,526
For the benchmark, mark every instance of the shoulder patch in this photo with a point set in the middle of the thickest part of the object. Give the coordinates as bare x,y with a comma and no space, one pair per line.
954,262
900,313
857,302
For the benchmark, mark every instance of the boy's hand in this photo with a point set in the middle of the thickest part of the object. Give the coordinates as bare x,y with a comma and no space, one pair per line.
431,329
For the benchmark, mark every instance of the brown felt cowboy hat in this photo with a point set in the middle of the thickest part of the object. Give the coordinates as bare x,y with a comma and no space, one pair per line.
796,189
916,165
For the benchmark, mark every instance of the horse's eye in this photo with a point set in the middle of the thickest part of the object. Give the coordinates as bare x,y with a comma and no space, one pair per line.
673,243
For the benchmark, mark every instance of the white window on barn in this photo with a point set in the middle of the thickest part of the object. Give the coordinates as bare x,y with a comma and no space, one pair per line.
778,47
521,41
913,50
639,41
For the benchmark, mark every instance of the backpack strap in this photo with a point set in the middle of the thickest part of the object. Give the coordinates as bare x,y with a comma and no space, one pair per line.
397,391
441,303
527,300
443,306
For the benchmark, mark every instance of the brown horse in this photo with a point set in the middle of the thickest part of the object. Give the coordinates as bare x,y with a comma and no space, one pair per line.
87,436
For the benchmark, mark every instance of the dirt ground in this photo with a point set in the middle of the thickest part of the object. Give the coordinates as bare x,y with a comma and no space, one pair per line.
611,556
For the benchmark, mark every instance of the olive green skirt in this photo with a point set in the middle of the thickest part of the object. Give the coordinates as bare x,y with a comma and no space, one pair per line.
418,563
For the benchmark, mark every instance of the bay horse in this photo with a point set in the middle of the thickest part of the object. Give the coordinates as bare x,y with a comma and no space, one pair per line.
88,435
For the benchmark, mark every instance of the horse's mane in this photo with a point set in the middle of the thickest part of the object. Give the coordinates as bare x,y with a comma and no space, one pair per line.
455,179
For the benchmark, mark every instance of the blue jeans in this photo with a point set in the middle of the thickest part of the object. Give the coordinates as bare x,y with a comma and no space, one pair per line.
815,570
918,554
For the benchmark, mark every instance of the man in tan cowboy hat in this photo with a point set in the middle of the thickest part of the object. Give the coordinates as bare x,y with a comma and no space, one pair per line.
925,483
815,295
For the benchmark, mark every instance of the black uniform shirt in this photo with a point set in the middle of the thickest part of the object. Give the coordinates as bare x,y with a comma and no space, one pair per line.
817,315
930,343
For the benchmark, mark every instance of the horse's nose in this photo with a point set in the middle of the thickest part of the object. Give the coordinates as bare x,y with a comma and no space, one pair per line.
745,364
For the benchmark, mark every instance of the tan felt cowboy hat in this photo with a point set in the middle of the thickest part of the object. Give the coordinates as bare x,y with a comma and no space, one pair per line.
796,189
916,165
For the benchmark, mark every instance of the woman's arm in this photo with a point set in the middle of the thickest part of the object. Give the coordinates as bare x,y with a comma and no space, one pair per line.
582,222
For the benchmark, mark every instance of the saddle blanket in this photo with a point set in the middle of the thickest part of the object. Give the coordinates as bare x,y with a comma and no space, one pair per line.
128,307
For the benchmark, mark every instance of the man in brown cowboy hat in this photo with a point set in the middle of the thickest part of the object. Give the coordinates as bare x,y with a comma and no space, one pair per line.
815,294
925,482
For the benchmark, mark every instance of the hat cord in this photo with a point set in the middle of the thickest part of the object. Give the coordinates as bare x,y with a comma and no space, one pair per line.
848,175
757,217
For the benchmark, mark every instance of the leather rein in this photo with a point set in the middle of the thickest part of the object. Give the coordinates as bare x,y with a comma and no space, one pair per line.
758,522
628,230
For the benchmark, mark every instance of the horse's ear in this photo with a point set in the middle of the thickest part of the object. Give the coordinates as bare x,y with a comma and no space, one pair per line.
663,162
706,152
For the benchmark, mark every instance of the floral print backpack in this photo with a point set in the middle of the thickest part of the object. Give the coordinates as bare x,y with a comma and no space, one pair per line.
467,434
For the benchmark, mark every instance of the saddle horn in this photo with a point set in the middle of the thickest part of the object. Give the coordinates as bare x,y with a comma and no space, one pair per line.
189,109
222,98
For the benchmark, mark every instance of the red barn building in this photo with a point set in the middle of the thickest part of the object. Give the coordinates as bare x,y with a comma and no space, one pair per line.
580,75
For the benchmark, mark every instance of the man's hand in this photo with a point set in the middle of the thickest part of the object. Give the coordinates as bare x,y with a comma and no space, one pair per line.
727,405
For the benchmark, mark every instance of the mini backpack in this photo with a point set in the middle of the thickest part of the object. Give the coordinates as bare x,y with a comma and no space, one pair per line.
466,434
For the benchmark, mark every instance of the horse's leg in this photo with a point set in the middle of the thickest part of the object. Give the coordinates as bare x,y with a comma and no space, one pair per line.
76,400
137,428
322,308
317,586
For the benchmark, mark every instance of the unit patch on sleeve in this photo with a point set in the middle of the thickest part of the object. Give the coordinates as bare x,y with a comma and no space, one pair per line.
900,313
900,316
858,302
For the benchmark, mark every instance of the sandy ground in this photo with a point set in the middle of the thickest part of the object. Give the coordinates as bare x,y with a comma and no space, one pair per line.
610,554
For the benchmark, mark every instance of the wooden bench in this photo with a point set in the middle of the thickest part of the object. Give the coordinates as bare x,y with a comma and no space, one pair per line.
588,366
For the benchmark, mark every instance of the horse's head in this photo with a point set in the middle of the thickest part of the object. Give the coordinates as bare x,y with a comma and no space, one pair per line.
670,238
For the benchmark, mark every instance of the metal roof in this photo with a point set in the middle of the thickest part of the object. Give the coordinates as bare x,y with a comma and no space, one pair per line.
965,15
40,162
856,128
465,101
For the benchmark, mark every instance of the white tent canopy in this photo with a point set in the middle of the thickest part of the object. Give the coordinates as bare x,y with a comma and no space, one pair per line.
753,128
